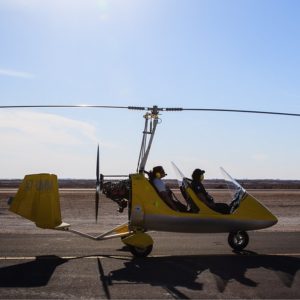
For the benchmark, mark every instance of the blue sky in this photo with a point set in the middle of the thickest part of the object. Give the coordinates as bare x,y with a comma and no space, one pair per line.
189,53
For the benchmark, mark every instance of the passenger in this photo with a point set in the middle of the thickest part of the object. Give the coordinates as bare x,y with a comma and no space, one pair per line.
163,190
204,196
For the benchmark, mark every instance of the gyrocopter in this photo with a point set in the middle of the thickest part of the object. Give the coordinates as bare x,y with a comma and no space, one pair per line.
37,198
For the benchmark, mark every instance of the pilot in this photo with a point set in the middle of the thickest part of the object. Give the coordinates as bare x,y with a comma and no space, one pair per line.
164,192
204,196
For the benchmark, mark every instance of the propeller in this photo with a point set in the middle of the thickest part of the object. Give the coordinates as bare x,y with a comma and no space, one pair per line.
98,185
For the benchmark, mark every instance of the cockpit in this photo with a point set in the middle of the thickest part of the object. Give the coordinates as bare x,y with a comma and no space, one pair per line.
236,191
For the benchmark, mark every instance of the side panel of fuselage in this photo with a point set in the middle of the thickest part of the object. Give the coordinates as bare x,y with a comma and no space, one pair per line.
149,212
202,224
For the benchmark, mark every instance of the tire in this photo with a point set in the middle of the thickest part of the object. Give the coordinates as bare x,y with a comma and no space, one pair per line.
140,252
238,240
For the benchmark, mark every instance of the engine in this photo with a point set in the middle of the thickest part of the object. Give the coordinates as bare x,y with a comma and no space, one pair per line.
118,191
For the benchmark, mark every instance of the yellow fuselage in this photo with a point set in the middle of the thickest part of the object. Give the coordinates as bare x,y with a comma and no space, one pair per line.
150,212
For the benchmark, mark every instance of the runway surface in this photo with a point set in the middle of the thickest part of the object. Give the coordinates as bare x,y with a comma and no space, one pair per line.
45,264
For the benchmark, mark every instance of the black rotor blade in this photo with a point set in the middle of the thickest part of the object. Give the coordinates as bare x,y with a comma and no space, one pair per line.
63,106
74,106
242,111
154,108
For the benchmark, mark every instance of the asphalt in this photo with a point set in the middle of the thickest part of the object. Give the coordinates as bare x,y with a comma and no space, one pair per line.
46,264
181,266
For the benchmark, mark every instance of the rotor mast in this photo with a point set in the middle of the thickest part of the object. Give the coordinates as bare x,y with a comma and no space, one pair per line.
151,121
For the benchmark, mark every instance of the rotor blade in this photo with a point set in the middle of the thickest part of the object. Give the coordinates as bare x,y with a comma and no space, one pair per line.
154,108
242,111
65,106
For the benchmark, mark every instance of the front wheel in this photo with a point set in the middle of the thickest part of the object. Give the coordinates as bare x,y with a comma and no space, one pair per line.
238,240
140,252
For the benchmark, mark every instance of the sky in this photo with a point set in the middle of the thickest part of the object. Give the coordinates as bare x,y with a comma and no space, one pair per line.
225,54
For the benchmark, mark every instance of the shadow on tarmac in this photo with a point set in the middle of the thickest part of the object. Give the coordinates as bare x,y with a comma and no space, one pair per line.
30,274
168,272
183,271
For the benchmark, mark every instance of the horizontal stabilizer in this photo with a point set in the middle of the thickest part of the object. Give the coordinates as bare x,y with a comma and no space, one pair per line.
62,226
38,200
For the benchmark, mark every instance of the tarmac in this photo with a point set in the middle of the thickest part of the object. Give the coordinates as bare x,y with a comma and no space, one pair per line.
46,264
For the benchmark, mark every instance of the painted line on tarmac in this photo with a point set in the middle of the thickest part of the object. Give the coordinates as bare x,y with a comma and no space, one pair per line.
124,257
62,257
237,254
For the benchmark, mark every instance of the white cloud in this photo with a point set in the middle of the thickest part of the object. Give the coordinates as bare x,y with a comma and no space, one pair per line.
33,142
54,129
14,73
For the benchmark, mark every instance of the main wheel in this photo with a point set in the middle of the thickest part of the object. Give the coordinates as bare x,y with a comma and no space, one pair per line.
140,252
238,240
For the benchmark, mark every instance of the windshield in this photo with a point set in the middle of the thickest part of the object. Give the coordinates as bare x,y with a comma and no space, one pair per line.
182,180
234,188
178,173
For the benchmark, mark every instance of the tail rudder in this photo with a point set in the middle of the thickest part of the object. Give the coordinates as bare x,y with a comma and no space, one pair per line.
38,200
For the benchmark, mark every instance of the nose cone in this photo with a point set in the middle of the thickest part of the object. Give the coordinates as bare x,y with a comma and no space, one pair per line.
255,211
271,221
266,219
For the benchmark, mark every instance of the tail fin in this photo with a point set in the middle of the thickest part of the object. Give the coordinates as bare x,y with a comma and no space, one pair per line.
38,200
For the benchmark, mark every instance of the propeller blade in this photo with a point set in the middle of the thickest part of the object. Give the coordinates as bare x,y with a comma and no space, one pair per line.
97,196
96,205
97,168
